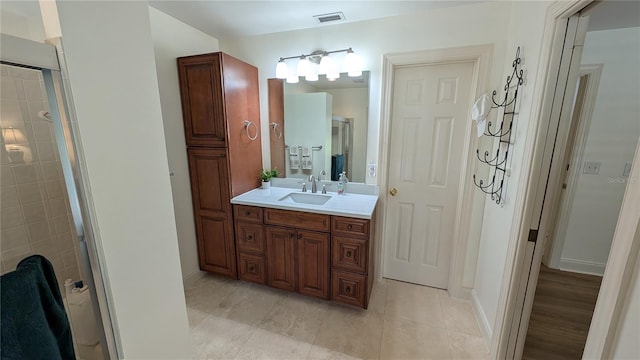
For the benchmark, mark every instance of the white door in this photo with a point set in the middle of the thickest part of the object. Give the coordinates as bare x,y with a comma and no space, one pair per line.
429,115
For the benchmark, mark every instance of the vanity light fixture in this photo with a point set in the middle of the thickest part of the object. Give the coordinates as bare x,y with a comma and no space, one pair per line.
319,63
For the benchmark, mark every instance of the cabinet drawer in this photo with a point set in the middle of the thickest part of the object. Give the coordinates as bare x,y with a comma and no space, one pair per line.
349,254
349,288
250,237
252,268
297,219
248,213
350,226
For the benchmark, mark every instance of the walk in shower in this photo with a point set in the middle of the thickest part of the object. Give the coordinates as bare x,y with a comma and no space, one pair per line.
41,207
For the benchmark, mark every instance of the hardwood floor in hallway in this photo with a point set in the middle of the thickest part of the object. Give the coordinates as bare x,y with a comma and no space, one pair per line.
561,315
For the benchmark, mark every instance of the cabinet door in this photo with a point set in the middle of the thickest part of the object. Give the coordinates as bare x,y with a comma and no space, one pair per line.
313,263
212,210
202,100
281,270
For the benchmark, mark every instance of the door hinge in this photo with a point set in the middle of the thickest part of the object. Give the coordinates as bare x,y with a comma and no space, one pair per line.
533,236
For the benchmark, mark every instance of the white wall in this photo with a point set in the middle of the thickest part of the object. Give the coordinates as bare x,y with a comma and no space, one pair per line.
611,140
26,27
482,23
527,20
172,39
109,53
308,123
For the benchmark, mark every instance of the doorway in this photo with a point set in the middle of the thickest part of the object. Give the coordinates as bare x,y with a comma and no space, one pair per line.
430,107
581,202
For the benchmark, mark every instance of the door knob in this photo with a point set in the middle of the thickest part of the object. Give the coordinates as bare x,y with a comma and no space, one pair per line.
393,191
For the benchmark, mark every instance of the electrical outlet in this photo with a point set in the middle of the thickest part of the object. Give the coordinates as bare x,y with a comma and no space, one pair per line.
371,170
591,167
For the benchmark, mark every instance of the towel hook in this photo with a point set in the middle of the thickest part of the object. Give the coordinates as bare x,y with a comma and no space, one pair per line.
247,124
274,126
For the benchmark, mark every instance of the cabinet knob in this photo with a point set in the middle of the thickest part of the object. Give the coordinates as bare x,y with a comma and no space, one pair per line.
299,236
251,268
249,237
349,227
347,290
247,213
291,235
348,253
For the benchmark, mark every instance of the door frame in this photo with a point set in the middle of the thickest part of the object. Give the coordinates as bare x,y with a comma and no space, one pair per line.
529,207
558,228
469,208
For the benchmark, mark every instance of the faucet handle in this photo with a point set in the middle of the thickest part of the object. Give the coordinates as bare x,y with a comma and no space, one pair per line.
304,187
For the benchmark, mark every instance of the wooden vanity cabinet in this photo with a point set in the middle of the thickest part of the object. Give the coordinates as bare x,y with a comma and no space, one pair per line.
328,257
351,260
218,93
297,252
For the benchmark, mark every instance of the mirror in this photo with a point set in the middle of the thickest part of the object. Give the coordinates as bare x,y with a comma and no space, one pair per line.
319,125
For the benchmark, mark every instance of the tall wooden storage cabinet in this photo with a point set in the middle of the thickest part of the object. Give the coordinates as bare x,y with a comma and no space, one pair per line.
219,93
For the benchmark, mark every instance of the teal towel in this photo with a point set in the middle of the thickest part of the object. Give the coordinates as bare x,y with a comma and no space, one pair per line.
34,322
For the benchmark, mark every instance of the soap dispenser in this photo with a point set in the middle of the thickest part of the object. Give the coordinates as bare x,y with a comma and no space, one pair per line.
342,183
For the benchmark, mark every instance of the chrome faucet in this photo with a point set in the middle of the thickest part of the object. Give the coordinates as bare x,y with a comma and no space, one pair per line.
314,185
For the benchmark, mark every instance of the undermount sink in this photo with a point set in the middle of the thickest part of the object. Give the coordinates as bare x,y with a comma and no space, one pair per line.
305,198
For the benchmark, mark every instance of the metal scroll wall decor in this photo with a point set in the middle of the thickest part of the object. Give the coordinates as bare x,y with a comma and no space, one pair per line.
507,108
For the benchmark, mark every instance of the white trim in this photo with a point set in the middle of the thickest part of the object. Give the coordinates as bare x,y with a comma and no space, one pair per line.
582,267
481,318
525,203
617,275
16,50
561,220
625,246
481,56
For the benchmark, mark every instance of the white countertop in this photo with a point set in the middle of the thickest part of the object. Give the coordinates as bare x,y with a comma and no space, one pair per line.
350,205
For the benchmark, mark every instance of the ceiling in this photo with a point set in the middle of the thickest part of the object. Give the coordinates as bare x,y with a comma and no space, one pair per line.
225,19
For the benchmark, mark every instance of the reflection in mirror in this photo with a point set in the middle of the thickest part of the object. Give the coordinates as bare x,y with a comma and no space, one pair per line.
320,125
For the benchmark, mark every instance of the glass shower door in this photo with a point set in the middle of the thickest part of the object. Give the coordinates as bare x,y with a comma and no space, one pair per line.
40,208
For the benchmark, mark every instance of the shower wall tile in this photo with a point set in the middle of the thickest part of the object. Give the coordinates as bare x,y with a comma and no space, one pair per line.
12,257
39,232
10,110
24,174
46,151
34,213
8,89
11,217
30,193
55,189
58,206
6,176
33,90
15,237
61,225
9,197
51,170
69,258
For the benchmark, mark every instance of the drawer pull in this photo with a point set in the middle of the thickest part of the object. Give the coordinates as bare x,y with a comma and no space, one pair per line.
349,227
299,236
347,290
252,268
348,253
249,237
247,213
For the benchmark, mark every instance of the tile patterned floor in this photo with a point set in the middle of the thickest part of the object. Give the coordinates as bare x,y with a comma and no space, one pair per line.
238,320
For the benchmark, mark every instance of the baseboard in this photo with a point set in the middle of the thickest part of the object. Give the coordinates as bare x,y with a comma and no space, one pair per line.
190,279
582,267
481,319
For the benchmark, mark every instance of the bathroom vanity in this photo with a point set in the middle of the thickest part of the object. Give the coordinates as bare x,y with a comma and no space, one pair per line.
286,239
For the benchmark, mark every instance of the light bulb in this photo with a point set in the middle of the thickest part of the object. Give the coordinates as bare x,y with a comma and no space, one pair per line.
292,78
332,76
327,65
312,72
303,66
352,65
282,70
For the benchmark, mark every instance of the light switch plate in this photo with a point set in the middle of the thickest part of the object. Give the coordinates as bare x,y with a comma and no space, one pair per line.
591,167
371,170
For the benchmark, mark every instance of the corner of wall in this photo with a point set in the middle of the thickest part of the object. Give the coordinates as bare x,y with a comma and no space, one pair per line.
481,319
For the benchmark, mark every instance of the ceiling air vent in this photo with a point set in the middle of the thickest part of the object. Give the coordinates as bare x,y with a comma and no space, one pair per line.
325,18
